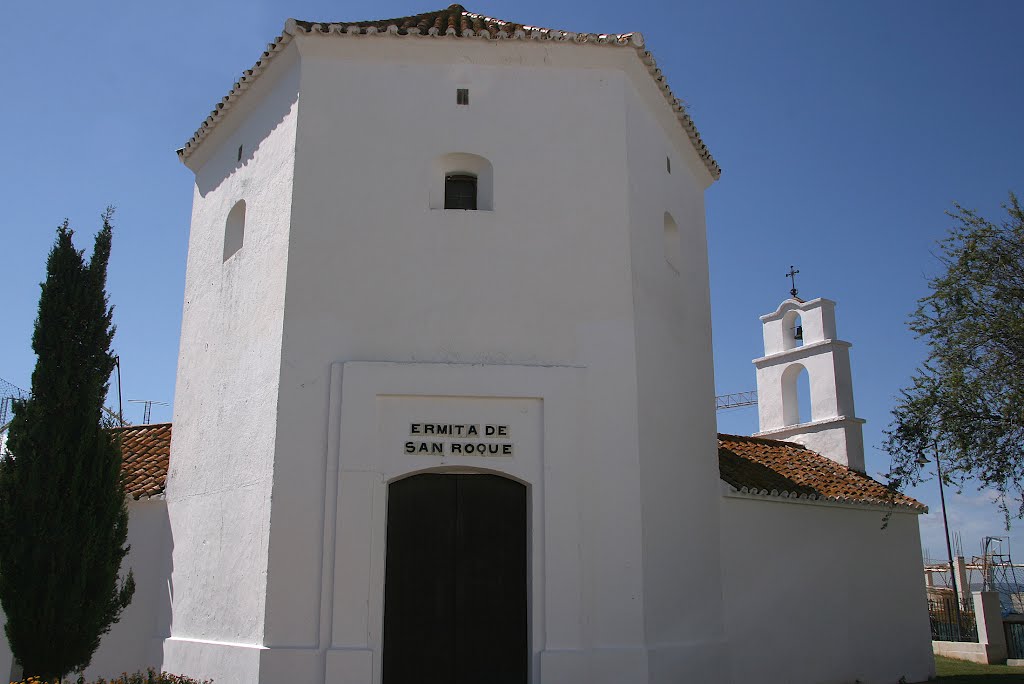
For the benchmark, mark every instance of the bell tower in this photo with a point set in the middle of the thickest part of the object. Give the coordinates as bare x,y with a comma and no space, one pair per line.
800,337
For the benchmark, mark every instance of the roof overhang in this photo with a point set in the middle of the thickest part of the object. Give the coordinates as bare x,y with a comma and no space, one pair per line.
360,31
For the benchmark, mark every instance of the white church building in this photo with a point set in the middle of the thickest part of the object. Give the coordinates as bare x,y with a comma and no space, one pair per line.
444,406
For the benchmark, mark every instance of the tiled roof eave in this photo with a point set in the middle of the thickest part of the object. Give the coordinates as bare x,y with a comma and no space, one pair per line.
763,467
294,27
226,102
157,496
819,499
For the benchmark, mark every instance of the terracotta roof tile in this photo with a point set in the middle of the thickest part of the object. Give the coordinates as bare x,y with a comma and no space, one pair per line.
145,455
788,469
750,464
453,21
457,19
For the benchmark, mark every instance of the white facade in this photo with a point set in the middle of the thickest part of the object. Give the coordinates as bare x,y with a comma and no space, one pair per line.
354,307
818,592
833,429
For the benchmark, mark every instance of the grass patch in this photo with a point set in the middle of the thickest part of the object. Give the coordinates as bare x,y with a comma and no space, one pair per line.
963,672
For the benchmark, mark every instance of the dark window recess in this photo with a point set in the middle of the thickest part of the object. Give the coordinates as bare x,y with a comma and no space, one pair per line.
668,164
239,153
462,96
459,191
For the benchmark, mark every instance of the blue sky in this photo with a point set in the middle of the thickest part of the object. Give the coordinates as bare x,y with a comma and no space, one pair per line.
845,130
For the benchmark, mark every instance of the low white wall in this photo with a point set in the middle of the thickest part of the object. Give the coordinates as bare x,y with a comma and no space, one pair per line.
991,645
135,642
818,593
969,650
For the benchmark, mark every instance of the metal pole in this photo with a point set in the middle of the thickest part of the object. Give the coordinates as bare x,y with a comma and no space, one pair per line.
120,406
949,547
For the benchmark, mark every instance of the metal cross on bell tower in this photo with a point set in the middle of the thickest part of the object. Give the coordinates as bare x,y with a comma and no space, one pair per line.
792,278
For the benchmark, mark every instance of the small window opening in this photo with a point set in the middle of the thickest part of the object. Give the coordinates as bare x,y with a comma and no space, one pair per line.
460,180
796,395
460,191
462,96
792,330
234,230
673,246
668,164
803,397
239,153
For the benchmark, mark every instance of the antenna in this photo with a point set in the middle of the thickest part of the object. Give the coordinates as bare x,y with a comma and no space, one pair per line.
147,410
120,404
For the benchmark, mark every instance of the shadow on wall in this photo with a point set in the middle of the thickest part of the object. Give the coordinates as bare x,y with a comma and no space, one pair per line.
239,148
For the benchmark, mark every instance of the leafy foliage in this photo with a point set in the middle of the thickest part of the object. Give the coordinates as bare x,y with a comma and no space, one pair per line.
966,402
63,516
151,676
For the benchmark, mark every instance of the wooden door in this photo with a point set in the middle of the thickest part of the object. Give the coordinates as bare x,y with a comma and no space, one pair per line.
455,581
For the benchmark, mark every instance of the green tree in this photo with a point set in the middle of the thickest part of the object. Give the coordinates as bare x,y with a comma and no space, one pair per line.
63,514
966,402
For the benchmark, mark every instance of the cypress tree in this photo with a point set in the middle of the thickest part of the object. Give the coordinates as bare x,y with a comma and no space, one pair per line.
63,514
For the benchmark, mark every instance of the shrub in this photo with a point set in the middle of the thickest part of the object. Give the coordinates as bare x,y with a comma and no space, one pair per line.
150,676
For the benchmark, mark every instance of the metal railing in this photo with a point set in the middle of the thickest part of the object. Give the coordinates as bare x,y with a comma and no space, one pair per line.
950,624
1014,639
8,393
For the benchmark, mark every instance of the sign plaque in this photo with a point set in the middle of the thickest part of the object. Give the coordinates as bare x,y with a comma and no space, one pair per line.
459,439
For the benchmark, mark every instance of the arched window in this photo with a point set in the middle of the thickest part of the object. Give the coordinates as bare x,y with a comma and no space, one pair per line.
234,230
792,330
796,395
673,248
461,181
460,191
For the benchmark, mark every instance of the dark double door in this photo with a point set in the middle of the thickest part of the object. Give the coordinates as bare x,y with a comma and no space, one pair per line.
455,581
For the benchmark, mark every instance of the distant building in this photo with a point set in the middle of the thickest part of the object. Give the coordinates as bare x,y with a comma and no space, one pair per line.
443,407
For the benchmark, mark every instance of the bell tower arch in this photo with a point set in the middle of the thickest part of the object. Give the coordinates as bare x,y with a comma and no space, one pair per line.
801,336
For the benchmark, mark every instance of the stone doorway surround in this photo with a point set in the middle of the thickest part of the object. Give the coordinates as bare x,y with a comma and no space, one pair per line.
534,415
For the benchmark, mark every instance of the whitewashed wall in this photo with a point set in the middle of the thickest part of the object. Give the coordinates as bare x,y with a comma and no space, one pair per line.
136,642
551,276
678,457
818,593
225,413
